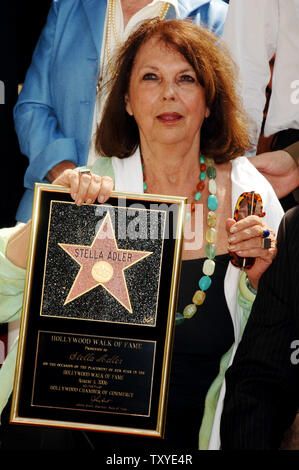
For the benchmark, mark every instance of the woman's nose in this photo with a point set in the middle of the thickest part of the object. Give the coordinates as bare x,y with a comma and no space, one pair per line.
168,91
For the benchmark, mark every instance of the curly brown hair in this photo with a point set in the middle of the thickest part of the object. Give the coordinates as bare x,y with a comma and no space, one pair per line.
224,134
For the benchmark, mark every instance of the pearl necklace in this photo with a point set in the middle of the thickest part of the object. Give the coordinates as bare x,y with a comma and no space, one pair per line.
206,170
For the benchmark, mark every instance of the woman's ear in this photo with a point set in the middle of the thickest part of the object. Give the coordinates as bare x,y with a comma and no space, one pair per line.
128,105
207,112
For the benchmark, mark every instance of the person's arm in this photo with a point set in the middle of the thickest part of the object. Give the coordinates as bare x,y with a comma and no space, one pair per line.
18,246
12,279
39,133
293,151
280,168
250,32
83,188
12,282
262,383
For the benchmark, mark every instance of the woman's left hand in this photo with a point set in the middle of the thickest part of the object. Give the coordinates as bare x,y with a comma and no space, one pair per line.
245,238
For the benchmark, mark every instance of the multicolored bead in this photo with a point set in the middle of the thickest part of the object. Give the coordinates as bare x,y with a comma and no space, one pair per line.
211,219
210,250
204,282
199,297
209,161
211,235
212,186
211,172
179,318
200,186
212,202
208,267
189,311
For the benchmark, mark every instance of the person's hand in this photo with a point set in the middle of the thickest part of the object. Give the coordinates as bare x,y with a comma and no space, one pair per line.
246,240
86,187
291,436
280,169
58,169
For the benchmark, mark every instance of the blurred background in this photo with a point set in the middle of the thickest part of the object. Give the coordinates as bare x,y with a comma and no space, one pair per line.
20,25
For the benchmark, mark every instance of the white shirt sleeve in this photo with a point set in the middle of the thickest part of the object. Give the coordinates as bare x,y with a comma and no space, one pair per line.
250,32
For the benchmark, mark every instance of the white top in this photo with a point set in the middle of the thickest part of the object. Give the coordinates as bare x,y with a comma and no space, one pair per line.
149,11
254,31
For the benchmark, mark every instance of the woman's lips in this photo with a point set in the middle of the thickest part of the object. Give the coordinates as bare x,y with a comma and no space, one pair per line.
169,118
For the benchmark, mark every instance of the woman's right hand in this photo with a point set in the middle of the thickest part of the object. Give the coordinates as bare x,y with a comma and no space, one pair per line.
86,187
245,239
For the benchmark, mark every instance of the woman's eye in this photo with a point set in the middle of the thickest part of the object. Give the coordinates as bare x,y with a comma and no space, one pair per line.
150,76
187,78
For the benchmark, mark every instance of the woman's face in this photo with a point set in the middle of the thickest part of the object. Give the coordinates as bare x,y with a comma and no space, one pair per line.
165,97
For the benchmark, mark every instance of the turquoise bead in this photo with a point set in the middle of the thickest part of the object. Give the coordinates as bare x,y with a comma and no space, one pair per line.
179,318
144,186
212,202
202,159
211,172
202,176
197,196
205,282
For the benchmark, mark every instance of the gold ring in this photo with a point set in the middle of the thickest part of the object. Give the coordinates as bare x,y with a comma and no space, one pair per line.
84,171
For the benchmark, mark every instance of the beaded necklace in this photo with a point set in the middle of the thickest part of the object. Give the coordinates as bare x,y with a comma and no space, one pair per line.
206,170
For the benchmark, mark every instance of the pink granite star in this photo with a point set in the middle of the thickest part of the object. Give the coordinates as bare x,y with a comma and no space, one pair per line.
103,263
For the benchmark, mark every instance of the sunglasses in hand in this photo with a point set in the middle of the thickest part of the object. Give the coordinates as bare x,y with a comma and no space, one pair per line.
249,203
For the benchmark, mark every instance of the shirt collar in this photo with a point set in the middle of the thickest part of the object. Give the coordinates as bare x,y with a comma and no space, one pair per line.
173,3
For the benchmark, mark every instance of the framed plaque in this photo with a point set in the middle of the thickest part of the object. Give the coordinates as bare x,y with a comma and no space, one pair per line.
99,312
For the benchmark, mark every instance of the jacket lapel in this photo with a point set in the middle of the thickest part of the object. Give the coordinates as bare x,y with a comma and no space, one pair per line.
95,11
